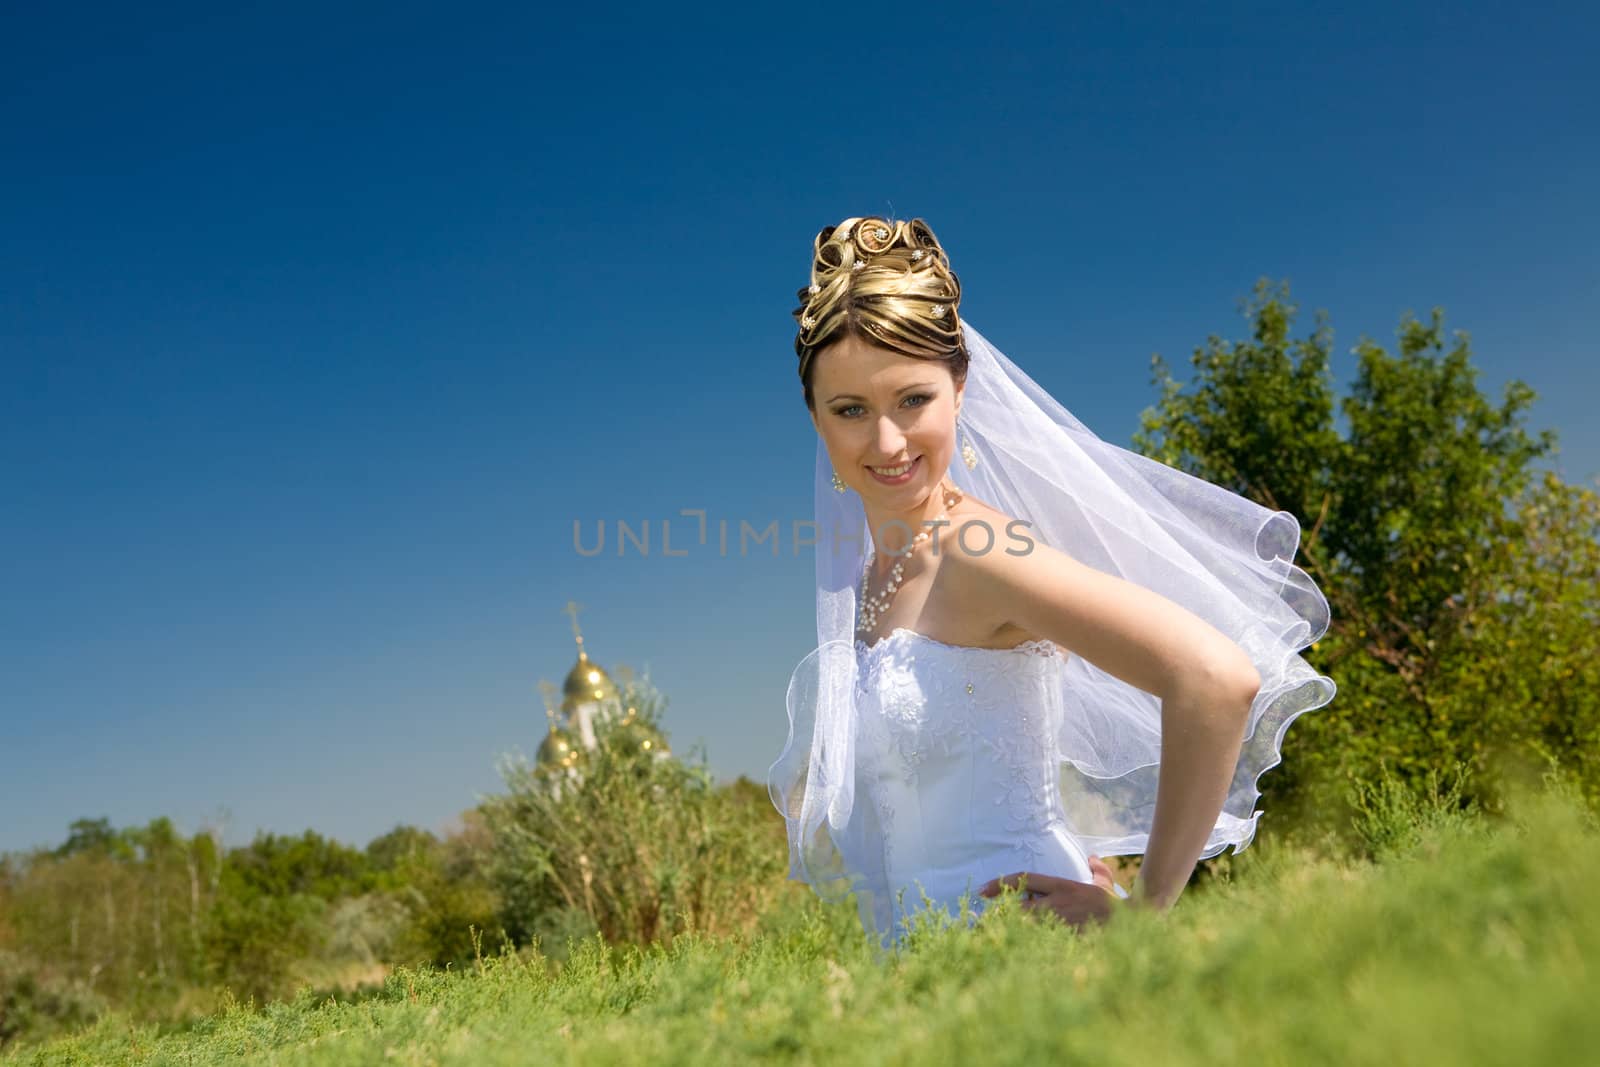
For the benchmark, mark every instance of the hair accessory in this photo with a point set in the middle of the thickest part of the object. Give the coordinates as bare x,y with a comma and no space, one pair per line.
814,289
858,264
874,239
916,255
937,311
806,322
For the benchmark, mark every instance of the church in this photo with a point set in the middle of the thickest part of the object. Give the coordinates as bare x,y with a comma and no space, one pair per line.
591,705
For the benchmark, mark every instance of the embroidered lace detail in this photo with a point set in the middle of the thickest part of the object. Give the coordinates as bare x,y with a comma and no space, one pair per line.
1032,647
989,713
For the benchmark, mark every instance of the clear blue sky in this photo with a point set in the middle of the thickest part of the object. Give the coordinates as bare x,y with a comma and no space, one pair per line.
321,324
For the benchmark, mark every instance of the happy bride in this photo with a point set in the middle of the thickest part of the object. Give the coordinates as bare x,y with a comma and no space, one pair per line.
1034,648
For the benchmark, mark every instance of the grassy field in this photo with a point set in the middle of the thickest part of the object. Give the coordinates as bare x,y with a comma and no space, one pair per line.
1467,941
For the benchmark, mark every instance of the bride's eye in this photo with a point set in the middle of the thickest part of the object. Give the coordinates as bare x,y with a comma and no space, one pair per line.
847,412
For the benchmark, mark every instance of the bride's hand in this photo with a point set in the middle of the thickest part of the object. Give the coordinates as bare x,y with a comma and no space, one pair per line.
1077,903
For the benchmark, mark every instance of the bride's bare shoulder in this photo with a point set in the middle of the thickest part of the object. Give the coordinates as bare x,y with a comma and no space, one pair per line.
974,521
978,532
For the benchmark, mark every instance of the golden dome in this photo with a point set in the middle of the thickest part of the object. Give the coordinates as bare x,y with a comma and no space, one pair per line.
560,748
586,682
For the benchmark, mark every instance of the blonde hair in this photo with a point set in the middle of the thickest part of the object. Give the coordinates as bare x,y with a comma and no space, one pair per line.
887,282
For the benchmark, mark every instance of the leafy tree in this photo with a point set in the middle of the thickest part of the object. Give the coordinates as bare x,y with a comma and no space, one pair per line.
93,837
444,890
254,938
280,865
1525,664
1416,525
389,852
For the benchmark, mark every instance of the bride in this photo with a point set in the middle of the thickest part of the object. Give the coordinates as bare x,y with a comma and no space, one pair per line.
1052,646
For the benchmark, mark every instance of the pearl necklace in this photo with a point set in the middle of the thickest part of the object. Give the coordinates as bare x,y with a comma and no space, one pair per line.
873,608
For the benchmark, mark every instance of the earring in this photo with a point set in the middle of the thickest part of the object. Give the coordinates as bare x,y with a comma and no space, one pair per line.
838,483
968,455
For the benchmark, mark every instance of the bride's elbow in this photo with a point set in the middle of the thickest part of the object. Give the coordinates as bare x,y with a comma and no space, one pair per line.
1226,685
1239,687
1249,687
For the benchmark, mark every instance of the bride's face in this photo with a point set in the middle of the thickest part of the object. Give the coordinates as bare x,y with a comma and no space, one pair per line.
878,411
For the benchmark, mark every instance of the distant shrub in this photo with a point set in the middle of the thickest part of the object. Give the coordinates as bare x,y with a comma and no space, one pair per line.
1392,816
36,1005
631,842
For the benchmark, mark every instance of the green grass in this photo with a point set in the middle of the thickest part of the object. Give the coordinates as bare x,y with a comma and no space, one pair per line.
1473,942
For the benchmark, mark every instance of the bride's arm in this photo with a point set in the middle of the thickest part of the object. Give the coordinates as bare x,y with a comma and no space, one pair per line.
1205,683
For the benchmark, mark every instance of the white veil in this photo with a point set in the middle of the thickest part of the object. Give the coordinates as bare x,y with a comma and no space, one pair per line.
1221,556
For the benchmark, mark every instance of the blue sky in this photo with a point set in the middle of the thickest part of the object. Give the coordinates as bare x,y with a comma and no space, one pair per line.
320,325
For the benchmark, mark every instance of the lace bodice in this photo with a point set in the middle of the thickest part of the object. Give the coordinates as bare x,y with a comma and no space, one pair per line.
958,755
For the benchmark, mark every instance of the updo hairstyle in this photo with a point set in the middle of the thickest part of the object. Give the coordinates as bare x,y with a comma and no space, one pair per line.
887,282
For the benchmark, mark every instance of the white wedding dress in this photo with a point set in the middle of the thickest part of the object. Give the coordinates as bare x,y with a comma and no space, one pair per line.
957,764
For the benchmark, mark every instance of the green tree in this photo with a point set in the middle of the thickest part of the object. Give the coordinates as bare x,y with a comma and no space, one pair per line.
281,865
389,852
444,890
94,837
1525,665
273,907
1410,522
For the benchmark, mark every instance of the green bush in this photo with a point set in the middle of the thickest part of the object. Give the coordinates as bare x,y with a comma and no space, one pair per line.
1392,816
36,1005
632,843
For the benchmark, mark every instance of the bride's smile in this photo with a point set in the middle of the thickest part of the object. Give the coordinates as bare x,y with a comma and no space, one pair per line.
895,475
